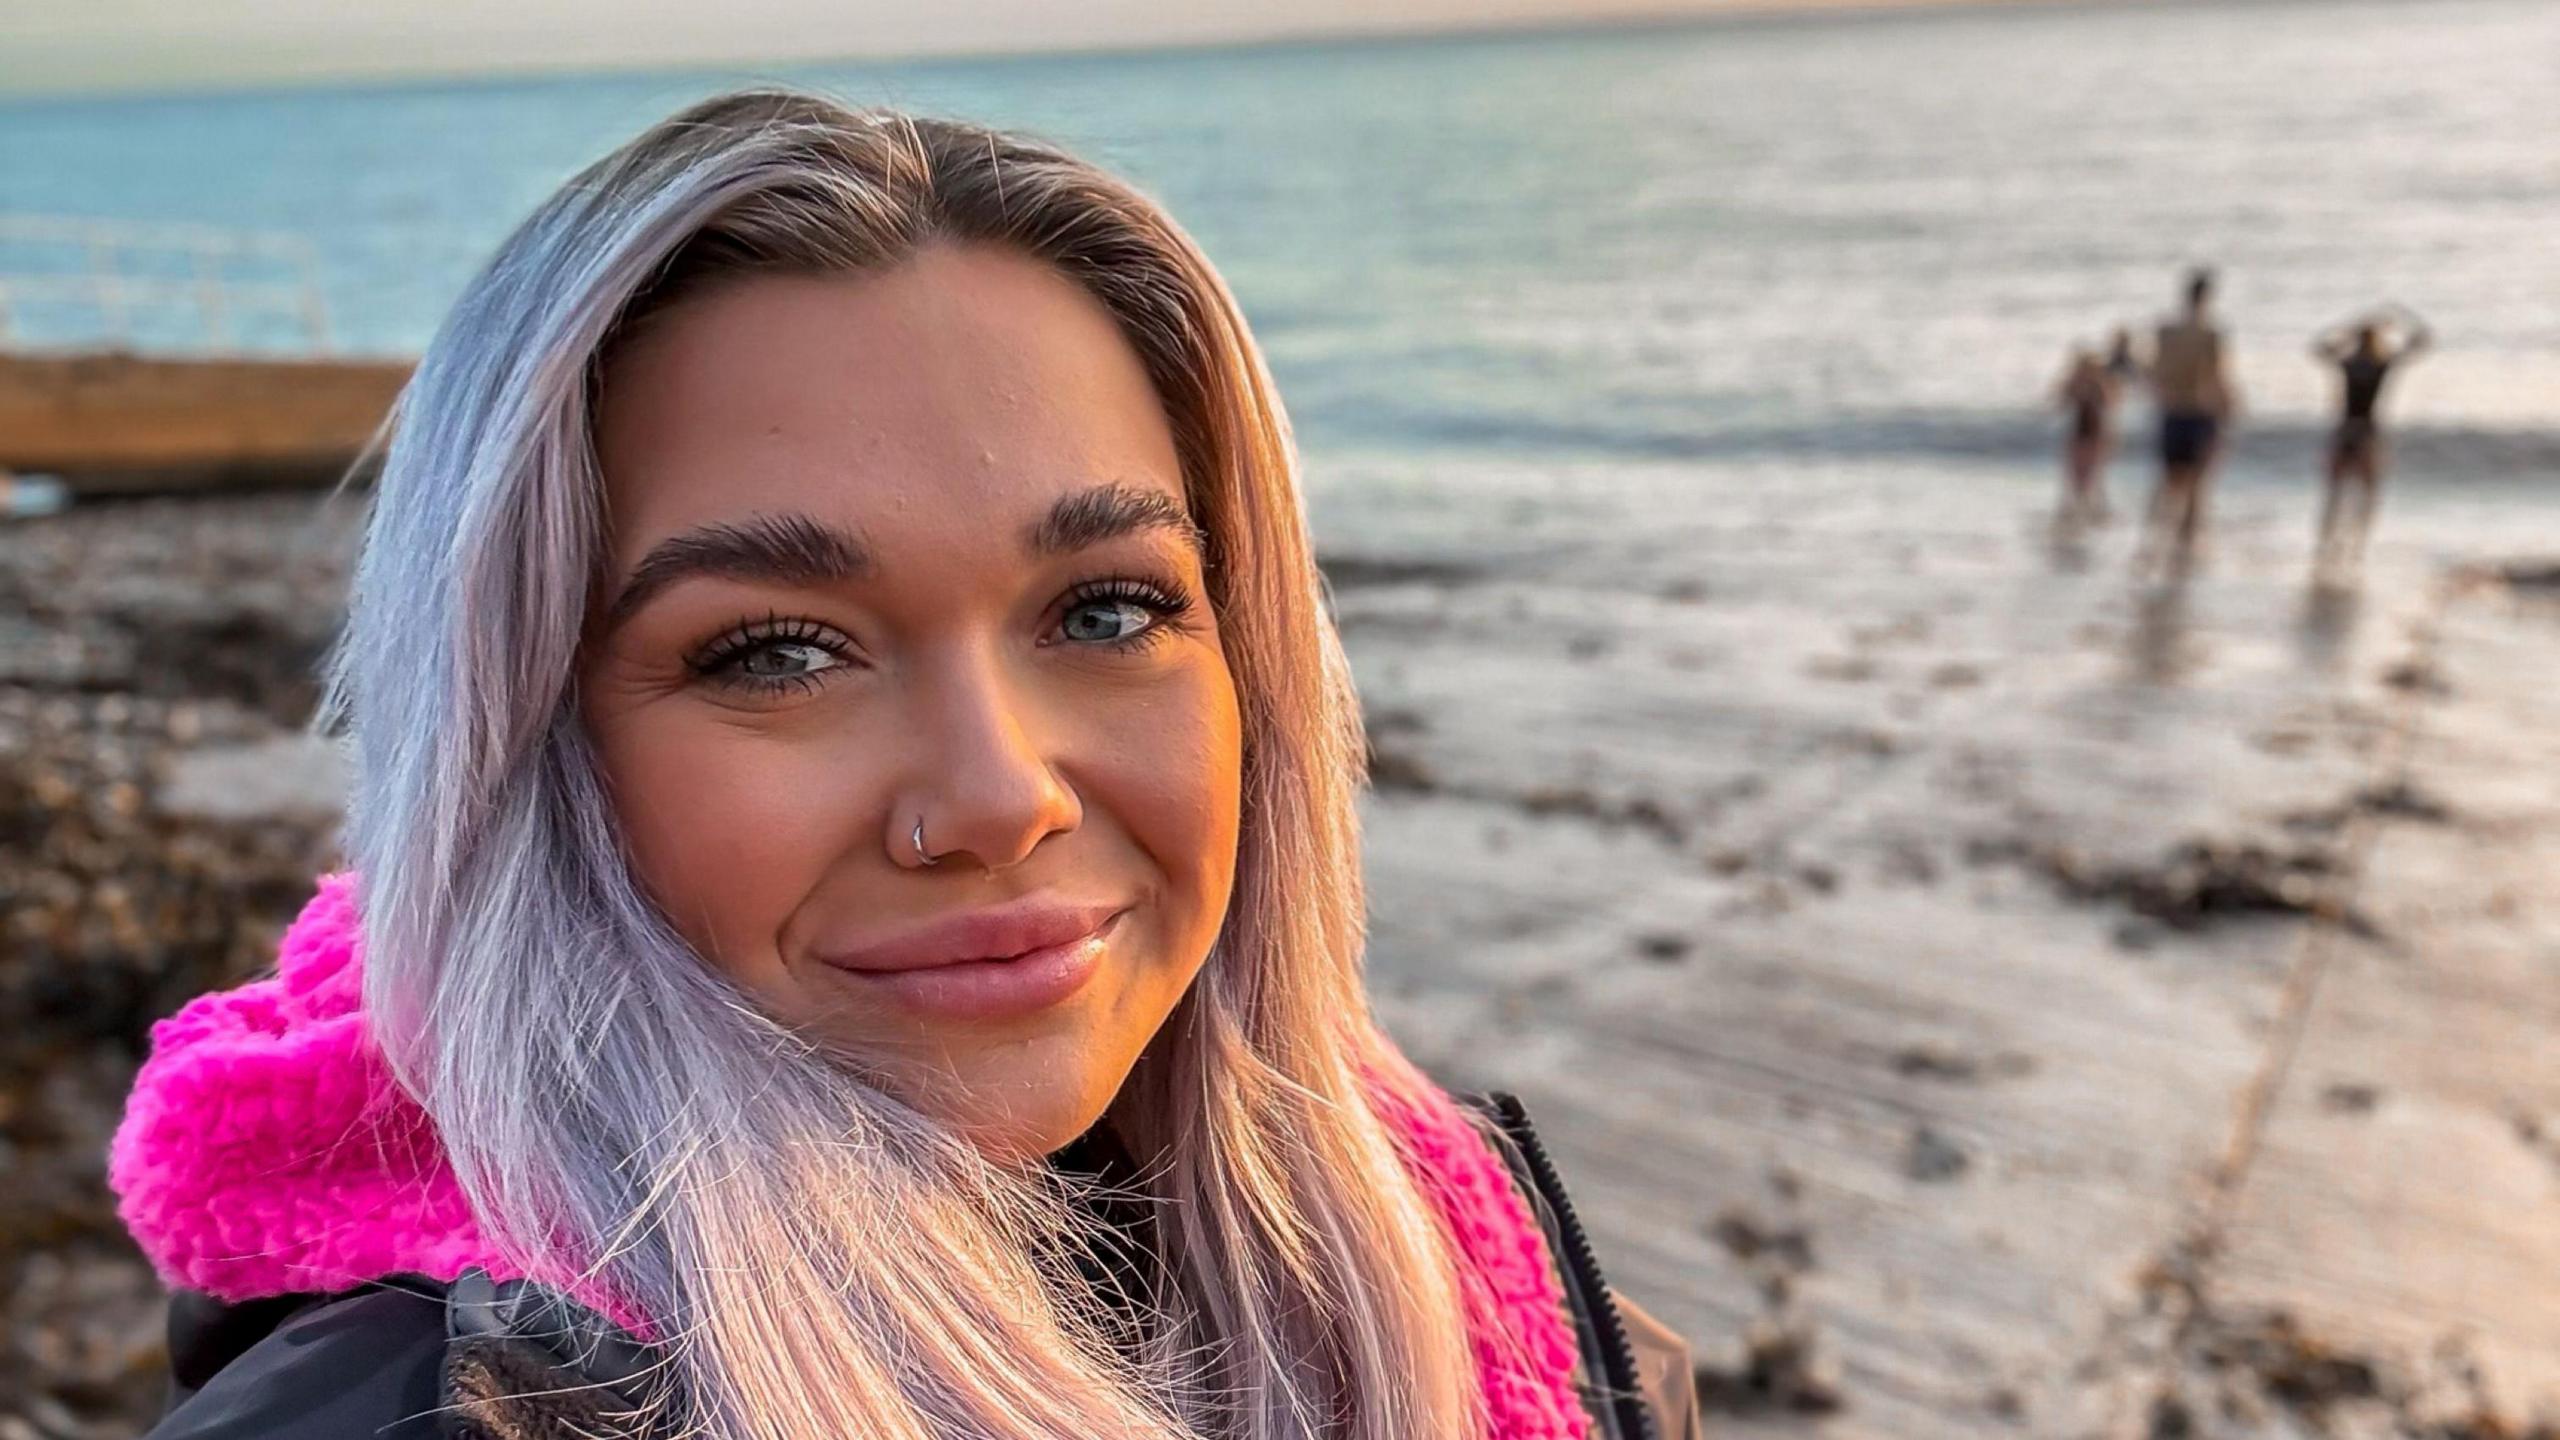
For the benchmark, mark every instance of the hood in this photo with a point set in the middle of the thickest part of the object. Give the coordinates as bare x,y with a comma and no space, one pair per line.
267,1150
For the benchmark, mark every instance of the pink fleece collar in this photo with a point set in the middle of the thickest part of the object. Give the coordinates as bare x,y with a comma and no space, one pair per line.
266,1149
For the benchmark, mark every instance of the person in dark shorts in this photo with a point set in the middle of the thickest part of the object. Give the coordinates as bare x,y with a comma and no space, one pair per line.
2087,394
2191,382
2365,355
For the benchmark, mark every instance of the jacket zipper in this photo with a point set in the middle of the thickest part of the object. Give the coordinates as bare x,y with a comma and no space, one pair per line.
1618,1357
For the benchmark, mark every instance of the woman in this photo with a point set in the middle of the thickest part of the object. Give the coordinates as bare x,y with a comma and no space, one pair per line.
797,975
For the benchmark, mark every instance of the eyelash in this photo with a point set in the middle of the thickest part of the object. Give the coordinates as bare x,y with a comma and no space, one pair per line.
716,660
1168,603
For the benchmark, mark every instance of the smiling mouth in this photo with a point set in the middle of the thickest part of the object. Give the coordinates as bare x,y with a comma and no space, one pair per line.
996,988
999,932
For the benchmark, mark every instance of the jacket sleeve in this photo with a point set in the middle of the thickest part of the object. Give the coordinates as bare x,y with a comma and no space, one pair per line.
1663,1365
365,1367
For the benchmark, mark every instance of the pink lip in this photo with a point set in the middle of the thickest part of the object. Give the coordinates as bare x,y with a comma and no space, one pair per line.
998,932
988,964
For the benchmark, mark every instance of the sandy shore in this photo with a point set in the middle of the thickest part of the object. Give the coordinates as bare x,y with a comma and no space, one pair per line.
1975,992
1965,990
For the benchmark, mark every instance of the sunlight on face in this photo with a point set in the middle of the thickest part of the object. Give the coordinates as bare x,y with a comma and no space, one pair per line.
900,546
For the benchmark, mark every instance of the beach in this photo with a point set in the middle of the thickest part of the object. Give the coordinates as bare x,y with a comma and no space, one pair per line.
1967,987
1981,992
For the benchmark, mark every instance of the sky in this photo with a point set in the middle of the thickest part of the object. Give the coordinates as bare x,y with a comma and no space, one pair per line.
88,46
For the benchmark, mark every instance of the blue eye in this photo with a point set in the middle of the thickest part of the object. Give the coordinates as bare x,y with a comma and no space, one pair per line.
1137,602
1134,614
785,660
771,655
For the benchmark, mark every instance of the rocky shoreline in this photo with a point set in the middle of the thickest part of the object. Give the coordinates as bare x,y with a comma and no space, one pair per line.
140,646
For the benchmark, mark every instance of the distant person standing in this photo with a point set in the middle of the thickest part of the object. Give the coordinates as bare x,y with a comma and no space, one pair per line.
2191,382
2087,394
2364,357
2120,362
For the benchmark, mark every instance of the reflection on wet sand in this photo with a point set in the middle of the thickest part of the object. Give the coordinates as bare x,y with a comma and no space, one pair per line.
2162,647
2066,545
2328,623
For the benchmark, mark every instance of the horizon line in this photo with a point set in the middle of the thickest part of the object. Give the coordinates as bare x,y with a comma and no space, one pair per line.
503,73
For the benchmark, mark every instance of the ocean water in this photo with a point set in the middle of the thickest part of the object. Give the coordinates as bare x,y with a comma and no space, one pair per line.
1739,243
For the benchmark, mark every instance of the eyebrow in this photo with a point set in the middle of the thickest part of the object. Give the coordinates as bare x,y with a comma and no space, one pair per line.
794,549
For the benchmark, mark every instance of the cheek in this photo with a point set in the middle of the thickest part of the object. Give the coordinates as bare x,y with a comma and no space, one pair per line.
1174,783
728,831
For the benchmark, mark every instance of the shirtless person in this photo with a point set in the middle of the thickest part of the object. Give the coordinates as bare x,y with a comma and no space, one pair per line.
2364,359
2192,385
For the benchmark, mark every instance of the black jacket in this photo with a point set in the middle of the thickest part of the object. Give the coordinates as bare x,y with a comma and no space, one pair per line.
411,1358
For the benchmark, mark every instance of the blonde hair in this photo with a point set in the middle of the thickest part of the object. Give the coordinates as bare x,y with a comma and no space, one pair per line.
618,1112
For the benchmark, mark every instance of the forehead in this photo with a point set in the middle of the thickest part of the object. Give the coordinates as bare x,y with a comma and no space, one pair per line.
944,399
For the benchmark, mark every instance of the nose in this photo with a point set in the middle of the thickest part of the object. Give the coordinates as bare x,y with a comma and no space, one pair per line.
984,779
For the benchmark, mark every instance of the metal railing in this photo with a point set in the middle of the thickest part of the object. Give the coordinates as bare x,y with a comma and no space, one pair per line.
224,288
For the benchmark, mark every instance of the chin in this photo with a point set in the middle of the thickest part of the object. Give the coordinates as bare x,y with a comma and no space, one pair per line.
1018,1101
1021,1090
1026,1125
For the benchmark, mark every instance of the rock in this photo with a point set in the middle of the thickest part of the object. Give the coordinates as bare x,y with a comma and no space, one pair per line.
1926,1062
2204,882
1851,668
1932,1158
161,819
298,775
2170,1418
2417,676
1781,1369
1748,1238
1664,947
1399,771
2403,801
2531,575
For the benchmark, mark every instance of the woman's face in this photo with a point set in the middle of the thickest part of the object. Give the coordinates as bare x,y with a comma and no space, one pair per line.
908,546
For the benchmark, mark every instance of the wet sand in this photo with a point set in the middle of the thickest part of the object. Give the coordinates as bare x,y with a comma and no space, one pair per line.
1973,992
1966,991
